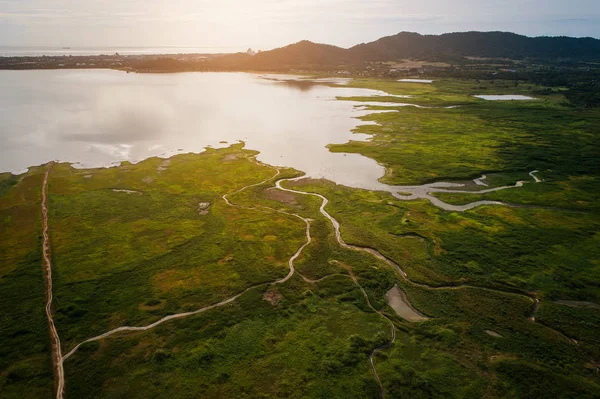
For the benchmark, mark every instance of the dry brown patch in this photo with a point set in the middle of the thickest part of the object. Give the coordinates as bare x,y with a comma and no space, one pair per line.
167,280
159,305
164,165
272,296
226,259
281,196
230,157
203,208
308,181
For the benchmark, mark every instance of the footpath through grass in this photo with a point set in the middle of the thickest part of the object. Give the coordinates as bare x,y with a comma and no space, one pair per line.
134,243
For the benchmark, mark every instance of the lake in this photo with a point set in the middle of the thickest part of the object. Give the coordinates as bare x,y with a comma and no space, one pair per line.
102,117
505,97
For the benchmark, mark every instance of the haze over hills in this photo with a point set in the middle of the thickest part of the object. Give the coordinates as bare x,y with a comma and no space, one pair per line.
306,54
482,44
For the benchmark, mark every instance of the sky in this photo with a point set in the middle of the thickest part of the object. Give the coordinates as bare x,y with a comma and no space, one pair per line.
266,24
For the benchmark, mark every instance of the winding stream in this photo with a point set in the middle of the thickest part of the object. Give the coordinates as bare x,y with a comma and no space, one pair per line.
424,192
418,190
348,169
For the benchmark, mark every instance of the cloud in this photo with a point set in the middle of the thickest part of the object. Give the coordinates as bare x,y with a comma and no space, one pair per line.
266,23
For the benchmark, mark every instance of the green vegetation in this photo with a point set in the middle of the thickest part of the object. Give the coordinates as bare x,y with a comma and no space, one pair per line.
135,243
24,345
420,145
310,342
116,250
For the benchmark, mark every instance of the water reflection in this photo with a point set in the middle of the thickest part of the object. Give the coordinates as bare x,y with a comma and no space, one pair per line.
100,117
302,85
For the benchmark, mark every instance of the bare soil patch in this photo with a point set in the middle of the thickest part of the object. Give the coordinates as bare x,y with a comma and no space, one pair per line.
230,157
203,208
272,296
398,301
125,191
164,165
307,181
152,305
281,196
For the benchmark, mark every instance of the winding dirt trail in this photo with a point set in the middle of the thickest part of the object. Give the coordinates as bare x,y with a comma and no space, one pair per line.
218,304
225,196
381,347
537,179
336,225
418,191
57,360
340,240
158,322
392,326
377,254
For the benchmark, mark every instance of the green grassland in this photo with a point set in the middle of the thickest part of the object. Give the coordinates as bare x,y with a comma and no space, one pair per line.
24,344
419,145
133,257
313,342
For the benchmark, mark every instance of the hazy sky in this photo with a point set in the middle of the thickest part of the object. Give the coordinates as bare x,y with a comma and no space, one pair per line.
264,24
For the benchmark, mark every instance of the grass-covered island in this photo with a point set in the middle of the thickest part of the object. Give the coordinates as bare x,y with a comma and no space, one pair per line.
242,281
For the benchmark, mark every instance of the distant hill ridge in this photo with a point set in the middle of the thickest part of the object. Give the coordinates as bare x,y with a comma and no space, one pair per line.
309,55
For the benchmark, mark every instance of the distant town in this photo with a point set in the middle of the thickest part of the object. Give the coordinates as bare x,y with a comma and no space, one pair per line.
114,61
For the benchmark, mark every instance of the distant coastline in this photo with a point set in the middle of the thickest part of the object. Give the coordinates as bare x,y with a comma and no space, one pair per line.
57,51
558,62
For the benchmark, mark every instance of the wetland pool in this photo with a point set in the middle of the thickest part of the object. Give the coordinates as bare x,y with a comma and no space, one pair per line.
504,97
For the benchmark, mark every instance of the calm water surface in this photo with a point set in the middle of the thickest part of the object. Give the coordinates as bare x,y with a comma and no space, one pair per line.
505,97
101,117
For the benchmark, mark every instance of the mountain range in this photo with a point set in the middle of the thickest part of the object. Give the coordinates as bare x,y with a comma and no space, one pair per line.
407,45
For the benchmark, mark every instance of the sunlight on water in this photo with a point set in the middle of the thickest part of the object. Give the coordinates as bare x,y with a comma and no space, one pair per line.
102,117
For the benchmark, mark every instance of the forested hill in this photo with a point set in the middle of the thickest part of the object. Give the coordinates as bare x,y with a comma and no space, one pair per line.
308,55
476,44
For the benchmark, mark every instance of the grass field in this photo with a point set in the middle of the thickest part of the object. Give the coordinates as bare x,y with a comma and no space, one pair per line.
131,258
135,243
24,345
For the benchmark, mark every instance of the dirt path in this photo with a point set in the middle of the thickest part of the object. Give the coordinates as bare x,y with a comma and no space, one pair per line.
537,179
57,360
342,243
280,281
392,326
158,322
225,196
381,347
218,304
336,225
377,254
